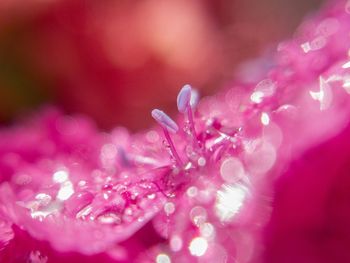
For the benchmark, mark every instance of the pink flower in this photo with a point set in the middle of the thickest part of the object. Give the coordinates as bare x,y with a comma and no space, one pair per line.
203,193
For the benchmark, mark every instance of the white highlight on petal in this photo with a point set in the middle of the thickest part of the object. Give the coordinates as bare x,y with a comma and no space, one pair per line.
163,258
257,96
66,190
60,176
229,200
198,246
306,47
231,170
44,199
265,119
346,65
324,96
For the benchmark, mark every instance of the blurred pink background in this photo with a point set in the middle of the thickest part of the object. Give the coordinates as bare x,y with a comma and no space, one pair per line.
116,60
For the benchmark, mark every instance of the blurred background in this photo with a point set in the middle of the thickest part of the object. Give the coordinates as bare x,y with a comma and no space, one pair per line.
115,60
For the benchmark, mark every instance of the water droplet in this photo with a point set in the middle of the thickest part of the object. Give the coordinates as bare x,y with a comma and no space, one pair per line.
318,43
109,218
22,179
128,211
41,212
207,230
152,136
169,208
176,243
37,257
83,213
265,88
261,157
192,191
44,199
78,201
306,47
201,161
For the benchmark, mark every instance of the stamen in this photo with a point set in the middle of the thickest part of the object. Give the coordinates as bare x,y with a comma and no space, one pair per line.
165,121
185,104
184,98
168,125
194,98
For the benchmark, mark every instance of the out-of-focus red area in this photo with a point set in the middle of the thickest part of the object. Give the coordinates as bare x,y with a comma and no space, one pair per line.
116,60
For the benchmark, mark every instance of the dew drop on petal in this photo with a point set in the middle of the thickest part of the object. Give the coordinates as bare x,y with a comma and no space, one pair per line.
306,47
152,136
78,201
318,43
198,215
207,230
169,208
201,161
176,243
262,158
192,191
109,218
37,257
84,212
267,87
